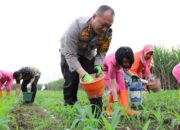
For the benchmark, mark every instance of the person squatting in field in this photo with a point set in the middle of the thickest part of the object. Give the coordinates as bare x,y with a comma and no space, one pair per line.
29,77
142,62
6,80
113,66
83,47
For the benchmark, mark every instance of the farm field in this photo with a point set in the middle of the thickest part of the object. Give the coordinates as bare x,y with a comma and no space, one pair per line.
161,111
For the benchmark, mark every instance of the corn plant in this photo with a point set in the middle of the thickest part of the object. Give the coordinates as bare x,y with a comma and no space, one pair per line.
157,109
107,124
175,122
4,124
146,125
6,105
84,115
159,117
114,120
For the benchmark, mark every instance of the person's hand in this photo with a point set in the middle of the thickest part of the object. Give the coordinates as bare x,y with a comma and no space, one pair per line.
3,86
127,83
29,86
134,77
88,78
98,70
145,87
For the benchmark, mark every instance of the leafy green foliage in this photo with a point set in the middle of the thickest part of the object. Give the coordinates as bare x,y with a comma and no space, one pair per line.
163,62
160,111
7,104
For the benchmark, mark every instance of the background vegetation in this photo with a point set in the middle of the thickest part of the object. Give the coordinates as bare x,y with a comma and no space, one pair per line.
163,62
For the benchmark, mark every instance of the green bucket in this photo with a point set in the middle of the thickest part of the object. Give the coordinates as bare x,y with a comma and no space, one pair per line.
27,96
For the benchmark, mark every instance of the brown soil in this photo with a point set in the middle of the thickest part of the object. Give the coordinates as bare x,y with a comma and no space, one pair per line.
23,117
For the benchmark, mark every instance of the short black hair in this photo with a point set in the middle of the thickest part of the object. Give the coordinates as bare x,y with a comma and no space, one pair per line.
100,11
16,74
124,52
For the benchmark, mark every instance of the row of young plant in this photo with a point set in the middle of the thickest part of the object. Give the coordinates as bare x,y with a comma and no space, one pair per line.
160,111
164,60
7,104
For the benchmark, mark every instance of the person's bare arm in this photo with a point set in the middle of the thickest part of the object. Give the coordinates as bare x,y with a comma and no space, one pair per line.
18,89
114,89
32,80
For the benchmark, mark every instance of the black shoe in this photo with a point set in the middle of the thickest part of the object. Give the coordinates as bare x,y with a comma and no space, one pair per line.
26,102
68,104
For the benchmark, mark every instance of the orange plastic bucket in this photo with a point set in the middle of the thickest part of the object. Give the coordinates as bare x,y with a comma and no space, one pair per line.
94,89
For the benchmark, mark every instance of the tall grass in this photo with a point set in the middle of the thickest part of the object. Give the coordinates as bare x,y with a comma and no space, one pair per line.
163,62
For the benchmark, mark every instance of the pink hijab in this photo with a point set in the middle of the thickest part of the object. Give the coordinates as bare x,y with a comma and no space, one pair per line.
176,72
146,63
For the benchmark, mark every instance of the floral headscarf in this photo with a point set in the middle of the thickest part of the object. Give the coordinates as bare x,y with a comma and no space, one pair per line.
146,62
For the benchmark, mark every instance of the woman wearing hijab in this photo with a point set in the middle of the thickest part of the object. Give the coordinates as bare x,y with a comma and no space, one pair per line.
142,61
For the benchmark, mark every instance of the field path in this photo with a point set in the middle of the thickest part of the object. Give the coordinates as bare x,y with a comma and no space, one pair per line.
32,117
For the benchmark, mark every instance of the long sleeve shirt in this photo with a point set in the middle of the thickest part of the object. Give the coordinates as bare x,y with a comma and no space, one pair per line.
72,47
6,79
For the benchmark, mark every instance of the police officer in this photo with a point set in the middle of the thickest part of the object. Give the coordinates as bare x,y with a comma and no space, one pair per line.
83,47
